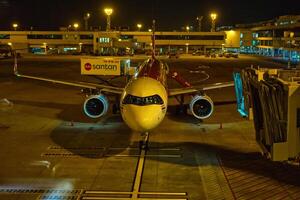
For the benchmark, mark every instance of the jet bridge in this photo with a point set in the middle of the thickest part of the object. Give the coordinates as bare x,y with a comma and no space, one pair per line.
273,96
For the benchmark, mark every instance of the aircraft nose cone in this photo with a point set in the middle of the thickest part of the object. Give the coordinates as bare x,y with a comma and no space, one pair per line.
142,118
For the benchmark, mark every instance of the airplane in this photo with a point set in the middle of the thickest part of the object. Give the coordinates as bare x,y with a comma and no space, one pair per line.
144,100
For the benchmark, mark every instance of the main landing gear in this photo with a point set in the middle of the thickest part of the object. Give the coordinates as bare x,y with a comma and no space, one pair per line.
116,106
181,108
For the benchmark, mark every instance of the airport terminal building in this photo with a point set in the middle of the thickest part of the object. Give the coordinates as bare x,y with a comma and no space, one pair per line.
279,38
109,43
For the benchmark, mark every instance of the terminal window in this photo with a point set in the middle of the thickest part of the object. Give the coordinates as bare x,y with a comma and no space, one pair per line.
190,37
41,36
104,40
86,37
126,37
4,36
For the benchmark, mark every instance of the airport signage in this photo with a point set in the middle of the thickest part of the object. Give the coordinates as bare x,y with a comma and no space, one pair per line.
100,66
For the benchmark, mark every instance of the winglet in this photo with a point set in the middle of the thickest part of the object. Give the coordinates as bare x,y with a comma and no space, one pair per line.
153,38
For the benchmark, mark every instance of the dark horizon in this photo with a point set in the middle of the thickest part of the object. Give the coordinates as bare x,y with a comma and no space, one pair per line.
170,15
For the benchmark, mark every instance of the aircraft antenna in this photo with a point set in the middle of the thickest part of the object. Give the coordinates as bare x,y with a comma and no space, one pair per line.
153,38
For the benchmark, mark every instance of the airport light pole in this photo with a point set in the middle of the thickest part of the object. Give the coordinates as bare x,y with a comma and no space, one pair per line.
75,25
108,12
199,19
139,26
45,46
187,28
15,26
213,17
291,35
86,21
80,47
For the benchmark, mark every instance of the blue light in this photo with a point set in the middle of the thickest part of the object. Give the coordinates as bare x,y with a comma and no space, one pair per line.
238,86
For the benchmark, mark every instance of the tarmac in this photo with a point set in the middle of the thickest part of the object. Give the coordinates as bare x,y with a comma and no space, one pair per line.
50,150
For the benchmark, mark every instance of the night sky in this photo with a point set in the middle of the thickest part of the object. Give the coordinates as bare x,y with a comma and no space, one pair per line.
170,14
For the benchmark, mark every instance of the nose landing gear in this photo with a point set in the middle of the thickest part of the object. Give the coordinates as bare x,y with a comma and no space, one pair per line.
144,143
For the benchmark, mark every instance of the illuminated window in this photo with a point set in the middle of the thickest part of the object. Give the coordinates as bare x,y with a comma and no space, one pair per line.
254,35
4,36
70,49
104,40
255,42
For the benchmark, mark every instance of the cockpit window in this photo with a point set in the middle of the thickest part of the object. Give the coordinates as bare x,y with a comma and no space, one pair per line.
143,101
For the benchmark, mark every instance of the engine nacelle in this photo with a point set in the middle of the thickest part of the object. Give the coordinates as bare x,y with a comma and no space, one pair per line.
96,106
201,106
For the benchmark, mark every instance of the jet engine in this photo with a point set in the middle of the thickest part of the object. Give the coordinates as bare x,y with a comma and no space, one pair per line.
201,106
96,106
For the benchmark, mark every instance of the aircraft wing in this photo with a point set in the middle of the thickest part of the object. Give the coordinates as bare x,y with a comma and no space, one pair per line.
100,87
195,89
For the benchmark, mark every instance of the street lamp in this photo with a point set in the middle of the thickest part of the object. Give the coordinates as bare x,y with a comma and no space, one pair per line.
15,26
108,12
186,48
86,19
213,17
199,19
45,47
139,26
80,47
187,28
75,25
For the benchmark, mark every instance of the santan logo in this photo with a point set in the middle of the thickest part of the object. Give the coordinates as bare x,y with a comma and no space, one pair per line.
111,67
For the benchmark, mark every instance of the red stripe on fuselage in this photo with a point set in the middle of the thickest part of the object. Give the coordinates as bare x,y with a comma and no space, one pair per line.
155,69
